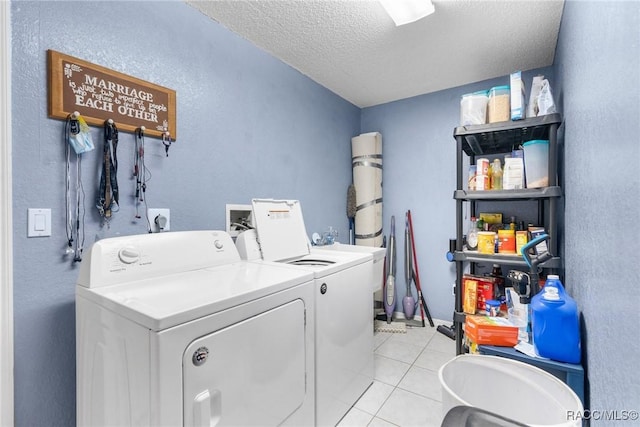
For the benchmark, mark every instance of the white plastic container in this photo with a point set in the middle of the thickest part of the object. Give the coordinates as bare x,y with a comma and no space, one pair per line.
499,106
513,174
536,163
513,389
473,108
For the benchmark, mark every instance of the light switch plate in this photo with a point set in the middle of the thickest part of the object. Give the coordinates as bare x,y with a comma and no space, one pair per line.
38,222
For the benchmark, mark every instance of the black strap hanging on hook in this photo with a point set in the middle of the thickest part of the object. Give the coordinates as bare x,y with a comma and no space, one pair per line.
139,169
72,127
142,175
138,161
137,153
108,192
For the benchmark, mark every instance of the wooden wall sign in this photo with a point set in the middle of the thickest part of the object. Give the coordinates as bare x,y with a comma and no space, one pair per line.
99,93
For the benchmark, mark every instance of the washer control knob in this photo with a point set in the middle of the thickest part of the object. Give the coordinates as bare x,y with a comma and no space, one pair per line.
323,288
128,255
218,244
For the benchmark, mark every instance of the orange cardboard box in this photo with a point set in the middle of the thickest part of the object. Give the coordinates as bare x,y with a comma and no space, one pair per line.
484,289
470,296
485,330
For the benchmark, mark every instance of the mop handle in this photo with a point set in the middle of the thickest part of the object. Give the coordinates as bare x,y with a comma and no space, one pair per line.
407,256
415,265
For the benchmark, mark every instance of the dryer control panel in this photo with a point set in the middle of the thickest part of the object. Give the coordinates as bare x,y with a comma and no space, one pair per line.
129,258
129,254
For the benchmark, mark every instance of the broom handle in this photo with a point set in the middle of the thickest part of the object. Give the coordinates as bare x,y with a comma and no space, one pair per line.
417,275
410,270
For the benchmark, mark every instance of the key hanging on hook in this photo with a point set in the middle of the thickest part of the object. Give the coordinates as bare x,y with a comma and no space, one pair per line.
166,141
74,123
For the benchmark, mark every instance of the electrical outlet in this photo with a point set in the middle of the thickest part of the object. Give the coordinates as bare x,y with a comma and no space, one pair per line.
157,217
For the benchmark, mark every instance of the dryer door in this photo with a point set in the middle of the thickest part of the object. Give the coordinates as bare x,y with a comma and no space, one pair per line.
251,373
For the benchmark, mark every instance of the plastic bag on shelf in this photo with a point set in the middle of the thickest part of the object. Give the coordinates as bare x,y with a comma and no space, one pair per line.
541,99
546,105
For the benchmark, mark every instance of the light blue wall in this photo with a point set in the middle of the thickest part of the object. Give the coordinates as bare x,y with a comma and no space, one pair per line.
598,69
248,126
420,175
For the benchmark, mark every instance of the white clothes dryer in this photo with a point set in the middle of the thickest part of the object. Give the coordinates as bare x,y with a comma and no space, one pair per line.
343,304
174,329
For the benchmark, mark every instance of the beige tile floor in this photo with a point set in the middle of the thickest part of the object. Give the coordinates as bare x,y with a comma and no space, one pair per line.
405,391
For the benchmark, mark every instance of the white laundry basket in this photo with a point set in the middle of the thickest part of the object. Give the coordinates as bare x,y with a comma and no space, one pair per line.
510,388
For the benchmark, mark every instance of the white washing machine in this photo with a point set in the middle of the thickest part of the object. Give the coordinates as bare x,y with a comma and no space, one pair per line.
378,278
343,303
174,329
378,255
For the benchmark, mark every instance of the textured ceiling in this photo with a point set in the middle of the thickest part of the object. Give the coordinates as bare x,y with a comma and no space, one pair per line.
354,49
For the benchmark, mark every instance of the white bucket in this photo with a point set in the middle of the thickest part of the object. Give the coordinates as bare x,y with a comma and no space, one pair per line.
510,388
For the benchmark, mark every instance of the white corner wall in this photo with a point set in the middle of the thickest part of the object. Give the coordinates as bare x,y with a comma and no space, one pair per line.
6,241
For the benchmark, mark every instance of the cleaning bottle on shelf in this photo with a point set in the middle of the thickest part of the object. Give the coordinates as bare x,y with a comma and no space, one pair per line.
555,323
499,292
496,175
472,235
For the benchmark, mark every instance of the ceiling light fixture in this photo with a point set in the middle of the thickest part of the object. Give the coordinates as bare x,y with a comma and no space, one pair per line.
407,11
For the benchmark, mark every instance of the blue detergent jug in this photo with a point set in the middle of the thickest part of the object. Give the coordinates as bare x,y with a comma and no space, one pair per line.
555,323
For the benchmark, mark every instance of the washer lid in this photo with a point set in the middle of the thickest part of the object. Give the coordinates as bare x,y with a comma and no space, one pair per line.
281,231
